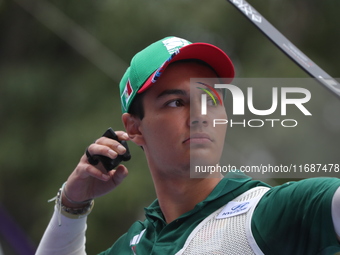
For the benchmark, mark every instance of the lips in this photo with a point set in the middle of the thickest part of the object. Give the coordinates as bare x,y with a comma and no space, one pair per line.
198,138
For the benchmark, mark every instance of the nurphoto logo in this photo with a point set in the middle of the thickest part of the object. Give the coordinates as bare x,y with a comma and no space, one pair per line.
295,96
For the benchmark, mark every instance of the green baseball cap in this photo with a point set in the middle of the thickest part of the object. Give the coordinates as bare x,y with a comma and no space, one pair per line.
149,64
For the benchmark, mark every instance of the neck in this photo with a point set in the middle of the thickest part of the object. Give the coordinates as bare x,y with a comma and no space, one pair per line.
177,196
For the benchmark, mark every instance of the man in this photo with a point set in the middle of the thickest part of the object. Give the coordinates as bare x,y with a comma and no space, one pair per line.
219,215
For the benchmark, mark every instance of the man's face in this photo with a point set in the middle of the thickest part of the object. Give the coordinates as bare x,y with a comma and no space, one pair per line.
173,128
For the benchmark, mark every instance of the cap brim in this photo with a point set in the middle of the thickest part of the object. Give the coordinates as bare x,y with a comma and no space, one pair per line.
210,54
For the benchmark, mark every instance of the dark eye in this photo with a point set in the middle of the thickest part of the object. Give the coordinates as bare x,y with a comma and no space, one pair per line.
211,101
175,103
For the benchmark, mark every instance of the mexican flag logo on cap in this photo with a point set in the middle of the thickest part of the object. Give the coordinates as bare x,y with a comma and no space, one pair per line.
127,93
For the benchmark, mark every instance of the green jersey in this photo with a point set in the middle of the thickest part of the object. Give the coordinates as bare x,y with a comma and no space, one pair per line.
294,218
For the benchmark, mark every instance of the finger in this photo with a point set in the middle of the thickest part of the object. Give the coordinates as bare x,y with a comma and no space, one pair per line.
122,135
105,150
119,174
86,170
113,144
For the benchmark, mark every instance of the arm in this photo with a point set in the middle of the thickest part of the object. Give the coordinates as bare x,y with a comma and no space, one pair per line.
65,233
68,238
336,212
304,210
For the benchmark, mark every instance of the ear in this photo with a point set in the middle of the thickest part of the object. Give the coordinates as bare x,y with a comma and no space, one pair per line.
132,124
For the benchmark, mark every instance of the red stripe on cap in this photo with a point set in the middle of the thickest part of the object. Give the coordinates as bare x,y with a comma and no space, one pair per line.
208,53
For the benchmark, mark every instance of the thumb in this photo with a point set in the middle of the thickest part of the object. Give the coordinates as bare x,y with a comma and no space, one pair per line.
119,174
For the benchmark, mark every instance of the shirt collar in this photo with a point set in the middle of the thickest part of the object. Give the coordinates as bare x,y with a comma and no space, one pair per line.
229,183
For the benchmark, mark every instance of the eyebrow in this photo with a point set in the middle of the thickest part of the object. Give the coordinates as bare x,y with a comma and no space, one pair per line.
217,90
172,92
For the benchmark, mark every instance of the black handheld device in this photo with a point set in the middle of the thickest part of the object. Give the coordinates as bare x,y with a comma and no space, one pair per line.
107,162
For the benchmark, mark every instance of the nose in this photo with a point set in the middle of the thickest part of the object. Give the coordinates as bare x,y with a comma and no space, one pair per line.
198,122
197,118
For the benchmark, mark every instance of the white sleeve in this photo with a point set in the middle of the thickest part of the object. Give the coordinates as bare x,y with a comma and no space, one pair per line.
336,211
65,239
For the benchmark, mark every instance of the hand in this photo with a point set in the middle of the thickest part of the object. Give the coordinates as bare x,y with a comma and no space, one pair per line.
88,181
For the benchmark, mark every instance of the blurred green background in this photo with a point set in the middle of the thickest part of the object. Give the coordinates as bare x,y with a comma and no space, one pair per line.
60,64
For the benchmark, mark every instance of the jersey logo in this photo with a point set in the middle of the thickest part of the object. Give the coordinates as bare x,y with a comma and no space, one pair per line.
235,208
135,240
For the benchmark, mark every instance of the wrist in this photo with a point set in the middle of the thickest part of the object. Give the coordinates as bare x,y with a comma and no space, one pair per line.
75,213
68,202
71,210
64,201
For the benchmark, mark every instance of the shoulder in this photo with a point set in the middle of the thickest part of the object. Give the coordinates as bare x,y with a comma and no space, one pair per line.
320,190
301,196
294,214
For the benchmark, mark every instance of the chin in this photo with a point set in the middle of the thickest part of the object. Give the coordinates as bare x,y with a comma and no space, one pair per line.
204,159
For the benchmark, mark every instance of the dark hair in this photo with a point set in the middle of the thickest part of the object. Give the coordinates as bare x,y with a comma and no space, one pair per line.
137,108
